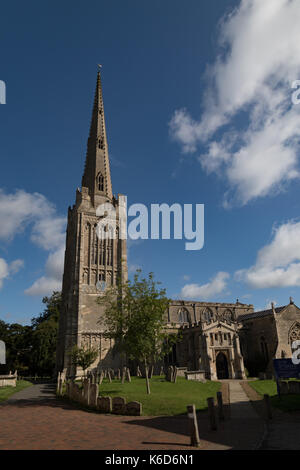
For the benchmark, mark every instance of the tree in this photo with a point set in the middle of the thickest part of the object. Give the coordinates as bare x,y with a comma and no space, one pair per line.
44,336
31,349
134,318
83,357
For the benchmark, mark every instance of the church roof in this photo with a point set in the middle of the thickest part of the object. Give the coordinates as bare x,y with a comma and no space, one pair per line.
261,314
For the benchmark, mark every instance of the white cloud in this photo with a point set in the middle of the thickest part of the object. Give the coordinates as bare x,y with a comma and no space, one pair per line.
206,291
43,286
52,281
22,210
132,268
249,88
6,270
278,263
269,304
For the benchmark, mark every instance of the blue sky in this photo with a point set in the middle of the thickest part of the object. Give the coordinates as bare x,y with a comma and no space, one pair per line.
198,110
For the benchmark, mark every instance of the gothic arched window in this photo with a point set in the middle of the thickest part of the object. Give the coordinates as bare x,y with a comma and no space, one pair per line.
183,316
100,182
227,315
207,315
294,335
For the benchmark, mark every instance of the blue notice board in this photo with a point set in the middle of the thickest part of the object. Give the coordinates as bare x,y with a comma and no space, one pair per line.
286,369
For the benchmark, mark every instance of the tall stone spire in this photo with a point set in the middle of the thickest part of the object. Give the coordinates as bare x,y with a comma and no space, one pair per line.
96,175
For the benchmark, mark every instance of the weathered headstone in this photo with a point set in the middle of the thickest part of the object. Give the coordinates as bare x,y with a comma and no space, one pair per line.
86,391
60,387
104,404
118,405
57,383
93,395
128,377
284,387
134,408
123,374
101,377
294,387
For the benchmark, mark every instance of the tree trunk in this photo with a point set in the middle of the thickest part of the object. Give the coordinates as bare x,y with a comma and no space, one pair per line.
147,377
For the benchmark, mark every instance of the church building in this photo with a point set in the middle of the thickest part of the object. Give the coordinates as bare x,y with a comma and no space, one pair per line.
216,338
91,264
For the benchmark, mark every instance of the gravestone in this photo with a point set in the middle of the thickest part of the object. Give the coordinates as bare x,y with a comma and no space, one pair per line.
134,408
118,405
86,391
2,352
294,387
93,395
104,404
284,388
101,377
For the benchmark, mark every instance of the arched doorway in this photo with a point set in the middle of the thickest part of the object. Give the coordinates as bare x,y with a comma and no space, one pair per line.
222,366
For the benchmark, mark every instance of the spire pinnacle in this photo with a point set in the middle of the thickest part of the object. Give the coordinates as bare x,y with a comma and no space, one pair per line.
96,175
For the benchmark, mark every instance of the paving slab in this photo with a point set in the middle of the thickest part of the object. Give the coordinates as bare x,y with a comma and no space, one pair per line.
35,419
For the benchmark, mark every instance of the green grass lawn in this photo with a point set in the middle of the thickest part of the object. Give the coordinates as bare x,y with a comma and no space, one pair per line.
285,403
166,398
7,392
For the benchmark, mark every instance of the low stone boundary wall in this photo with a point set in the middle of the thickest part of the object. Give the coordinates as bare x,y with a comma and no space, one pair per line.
8,380
198,375
88,396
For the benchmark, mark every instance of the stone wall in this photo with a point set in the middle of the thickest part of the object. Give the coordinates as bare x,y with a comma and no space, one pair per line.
8,380
88,396
269,334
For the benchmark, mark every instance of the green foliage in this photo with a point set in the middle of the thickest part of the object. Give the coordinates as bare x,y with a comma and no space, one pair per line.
31,349
166,398
83,357
44,336
135,318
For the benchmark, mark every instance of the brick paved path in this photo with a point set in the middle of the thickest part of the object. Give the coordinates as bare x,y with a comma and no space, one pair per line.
35,419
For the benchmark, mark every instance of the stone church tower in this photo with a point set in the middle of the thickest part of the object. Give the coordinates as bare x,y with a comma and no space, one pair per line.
91,263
